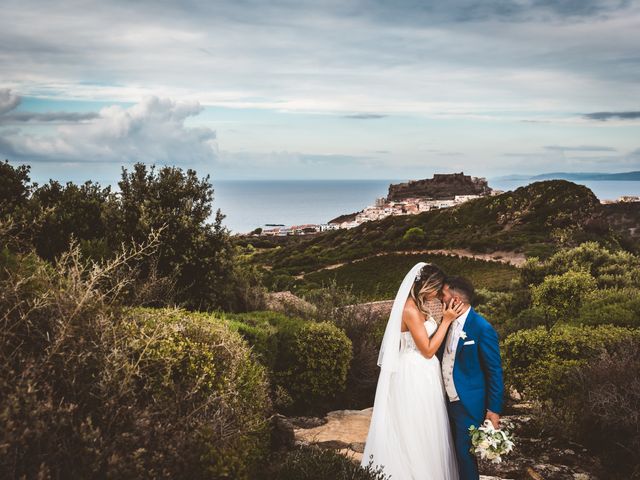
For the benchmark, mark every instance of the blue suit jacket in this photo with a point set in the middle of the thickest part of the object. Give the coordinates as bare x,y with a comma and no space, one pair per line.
477,371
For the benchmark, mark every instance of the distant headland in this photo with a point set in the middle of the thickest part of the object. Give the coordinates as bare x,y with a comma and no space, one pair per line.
441,186
579,176
416,196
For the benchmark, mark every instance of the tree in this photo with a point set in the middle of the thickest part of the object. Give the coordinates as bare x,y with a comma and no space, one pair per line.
15,187
66,211
560,296
199,255
413,236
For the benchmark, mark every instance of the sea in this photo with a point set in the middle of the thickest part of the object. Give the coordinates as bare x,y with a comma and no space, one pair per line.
249,204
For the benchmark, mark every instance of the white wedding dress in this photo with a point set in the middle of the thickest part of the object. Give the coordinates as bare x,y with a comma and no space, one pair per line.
409,435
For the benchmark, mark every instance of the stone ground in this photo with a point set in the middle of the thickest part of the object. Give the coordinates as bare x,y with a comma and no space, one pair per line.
533,459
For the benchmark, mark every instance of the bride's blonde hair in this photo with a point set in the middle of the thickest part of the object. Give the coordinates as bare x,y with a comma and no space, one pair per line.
429,280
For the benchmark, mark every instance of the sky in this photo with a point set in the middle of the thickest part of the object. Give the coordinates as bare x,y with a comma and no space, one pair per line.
346,89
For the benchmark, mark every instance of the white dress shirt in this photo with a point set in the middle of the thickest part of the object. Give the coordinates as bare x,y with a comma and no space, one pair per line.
449,357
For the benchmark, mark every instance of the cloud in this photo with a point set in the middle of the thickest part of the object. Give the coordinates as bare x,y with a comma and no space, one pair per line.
365,116
603,116
8,100
290,160
151,131
582,148
332,57
48,117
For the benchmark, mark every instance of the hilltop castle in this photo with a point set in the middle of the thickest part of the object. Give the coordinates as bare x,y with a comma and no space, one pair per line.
441,186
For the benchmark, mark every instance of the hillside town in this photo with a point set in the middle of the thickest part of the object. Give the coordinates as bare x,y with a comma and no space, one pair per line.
411,198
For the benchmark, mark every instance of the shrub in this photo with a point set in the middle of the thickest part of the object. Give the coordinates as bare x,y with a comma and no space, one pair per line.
308,360
312,463
610,269
364,325
199,371
196,251
560,296
537,361
413,236
260,334
610,306
602,401
88,390
313,363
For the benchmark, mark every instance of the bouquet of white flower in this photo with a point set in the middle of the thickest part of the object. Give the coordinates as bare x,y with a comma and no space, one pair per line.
490,443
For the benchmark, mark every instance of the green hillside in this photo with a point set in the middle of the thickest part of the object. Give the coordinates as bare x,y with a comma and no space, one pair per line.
535,220
377,278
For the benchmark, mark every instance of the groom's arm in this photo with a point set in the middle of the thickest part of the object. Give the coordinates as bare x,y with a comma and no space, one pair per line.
489,350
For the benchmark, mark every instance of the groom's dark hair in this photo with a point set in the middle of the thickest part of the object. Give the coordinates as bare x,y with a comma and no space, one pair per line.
462,287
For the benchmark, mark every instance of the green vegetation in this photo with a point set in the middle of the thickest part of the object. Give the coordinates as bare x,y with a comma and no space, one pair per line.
558,296
196,259
108,369
309,360
312,463
93,390
538,360
537,220
571,330
377,278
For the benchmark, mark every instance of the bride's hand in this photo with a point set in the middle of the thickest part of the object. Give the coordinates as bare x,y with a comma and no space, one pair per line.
452,310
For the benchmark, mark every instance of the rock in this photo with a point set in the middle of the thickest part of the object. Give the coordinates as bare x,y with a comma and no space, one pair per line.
534,458
344,426
307,422
282,436
532,474
287,302
514,394
343,430
440,186
357,447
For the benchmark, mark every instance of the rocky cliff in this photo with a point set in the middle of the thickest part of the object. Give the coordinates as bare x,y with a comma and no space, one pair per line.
439,187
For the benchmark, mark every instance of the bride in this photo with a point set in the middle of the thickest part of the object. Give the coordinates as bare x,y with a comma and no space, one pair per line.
409,435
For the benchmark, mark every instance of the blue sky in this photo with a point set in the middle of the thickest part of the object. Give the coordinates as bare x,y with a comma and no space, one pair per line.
334,89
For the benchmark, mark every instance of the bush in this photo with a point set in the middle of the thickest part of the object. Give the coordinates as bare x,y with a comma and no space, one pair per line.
497,307
610,306
364,325
196,251
610,269
560,296
413,236
537,362
309,360
602,401
313,364
260,334
312,463
88,390
198,368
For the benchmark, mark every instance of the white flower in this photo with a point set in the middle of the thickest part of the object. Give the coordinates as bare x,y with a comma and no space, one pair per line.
463,335
490,443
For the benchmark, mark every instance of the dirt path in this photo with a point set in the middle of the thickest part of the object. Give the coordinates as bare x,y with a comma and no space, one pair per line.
511,258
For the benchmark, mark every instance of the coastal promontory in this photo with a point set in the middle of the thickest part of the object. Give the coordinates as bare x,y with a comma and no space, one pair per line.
440,186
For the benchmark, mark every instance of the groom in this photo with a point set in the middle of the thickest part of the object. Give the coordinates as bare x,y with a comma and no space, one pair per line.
472,373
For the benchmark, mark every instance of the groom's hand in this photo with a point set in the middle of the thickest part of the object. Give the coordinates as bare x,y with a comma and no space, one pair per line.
494,417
